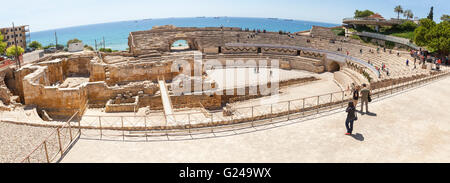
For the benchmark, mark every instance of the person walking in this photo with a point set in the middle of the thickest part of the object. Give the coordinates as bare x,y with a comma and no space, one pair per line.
365,94
407,62
351,117
355,96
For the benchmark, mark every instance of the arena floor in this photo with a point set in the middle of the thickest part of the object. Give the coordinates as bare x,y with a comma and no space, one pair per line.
411,126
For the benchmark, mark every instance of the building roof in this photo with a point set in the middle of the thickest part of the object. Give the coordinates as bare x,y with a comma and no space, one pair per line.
376,16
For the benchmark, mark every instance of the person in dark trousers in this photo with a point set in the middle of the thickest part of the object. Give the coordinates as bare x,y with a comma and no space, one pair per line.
351,116
355,96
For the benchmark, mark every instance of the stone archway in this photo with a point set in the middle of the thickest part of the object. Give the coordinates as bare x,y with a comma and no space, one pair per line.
191,44
333,66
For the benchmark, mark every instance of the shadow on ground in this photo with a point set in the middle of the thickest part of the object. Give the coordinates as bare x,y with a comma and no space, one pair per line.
358,136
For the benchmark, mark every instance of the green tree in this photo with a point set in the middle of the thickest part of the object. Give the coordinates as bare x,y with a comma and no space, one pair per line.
73,41
445,18
436,37
430,15
407,26
439,38
362,14
12,51
419,34
49,46
408,14
2,44
88,47
398,9
109,50
35,45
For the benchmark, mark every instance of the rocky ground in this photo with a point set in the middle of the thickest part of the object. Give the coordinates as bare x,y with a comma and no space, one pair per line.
17,141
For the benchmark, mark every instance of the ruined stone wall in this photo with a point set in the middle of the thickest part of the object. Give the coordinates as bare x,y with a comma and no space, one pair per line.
99,93
76,66
58,70
203,39
7,85
325,32
57,102
140,72
307,64
97,72
210,102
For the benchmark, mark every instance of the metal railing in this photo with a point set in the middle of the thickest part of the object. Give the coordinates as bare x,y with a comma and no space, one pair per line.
393,21
399,40
56,144
191,124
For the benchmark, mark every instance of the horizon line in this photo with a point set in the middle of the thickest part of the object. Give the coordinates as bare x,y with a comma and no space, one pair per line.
59,28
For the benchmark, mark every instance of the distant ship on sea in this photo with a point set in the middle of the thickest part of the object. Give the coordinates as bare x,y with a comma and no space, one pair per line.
117,32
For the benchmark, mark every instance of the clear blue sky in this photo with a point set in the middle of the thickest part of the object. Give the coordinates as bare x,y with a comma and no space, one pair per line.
51,14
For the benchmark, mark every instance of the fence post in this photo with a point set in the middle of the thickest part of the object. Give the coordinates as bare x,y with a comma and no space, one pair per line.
123,130
79,127
289,110
253,117
271,113
46,152
212,118
318,102
145,128
303,107
331,101
189,122
100,124
59,141
70,132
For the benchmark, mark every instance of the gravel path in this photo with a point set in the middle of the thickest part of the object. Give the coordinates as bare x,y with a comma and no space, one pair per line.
17,141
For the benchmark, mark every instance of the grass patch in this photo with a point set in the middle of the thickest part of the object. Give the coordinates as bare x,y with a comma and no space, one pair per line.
407,35
339,31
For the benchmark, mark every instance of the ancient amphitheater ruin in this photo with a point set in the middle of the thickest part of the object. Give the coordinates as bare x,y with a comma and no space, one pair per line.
155,89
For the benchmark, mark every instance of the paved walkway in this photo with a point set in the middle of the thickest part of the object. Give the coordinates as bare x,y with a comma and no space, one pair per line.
408,127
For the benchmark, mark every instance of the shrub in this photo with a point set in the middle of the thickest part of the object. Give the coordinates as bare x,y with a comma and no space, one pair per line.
109,50
408,26
88,47
2,44
35,45
339,31
361,14
12,51
389,44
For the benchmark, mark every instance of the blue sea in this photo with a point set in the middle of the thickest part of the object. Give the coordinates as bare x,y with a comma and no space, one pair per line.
116,34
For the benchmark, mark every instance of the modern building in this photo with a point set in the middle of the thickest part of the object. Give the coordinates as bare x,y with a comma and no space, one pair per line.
21,33
376,20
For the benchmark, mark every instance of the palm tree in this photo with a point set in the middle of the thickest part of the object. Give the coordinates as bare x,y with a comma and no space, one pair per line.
398,9
408,14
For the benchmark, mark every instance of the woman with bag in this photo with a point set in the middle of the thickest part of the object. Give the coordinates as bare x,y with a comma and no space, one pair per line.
351,117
